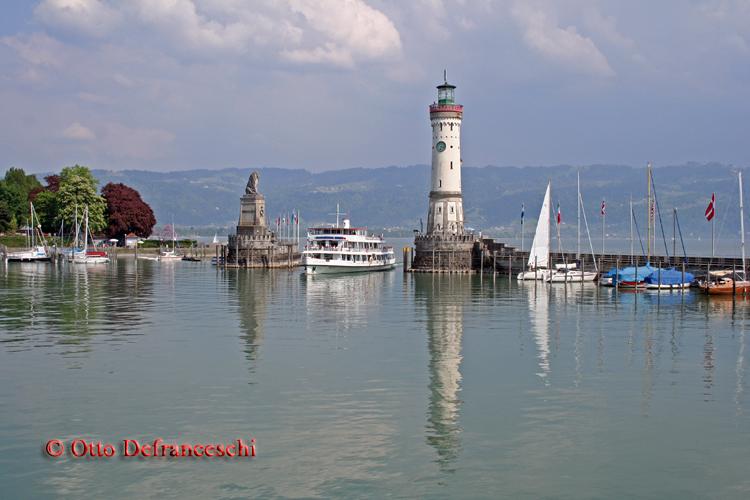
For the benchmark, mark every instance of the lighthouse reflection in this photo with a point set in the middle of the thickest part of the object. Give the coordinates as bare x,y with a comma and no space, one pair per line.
443,298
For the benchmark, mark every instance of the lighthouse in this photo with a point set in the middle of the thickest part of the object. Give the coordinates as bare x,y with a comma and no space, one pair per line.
446,214
445,246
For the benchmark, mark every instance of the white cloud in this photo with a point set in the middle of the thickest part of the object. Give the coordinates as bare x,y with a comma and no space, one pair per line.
122,80
563,46
90,17
334,32
120,141
353,26
595,22
40,49
77,132
88,97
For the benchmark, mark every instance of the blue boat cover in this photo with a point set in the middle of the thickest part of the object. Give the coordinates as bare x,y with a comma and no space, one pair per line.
628,274
669,277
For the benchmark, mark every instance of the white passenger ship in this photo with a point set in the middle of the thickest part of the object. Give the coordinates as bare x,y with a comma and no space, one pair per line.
345,250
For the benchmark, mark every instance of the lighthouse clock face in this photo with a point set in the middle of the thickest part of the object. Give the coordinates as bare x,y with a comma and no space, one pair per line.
440,146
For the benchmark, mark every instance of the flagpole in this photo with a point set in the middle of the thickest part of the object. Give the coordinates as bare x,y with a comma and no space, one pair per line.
522,212
713,228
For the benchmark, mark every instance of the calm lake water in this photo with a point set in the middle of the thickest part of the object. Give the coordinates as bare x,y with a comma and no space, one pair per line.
385,385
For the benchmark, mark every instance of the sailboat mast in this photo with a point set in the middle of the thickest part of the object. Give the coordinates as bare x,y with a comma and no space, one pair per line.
631,231
742,227
603,232
648,233
578,251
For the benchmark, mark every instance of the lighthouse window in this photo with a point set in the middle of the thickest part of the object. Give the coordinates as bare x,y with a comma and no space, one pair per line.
451,209
451,127
451,163
440,210
441,183
441,126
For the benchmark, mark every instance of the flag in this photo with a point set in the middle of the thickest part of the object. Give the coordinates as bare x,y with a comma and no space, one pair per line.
522,214
559,215
652,211
710,209
603,205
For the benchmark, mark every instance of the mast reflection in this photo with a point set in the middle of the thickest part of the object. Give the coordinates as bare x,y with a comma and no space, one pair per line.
443,298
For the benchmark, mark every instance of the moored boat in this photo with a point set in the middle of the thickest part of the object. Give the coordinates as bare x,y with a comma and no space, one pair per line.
539,253
668,279
730,282
345,250
34,252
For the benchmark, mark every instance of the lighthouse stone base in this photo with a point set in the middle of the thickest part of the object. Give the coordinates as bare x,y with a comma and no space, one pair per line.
443,253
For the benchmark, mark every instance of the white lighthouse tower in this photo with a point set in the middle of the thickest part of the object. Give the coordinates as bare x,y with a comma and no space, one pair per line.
446,215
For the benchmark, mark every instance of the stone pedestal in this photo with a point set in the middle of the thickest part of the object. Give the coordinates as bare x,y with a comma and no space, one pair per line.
252,216
443,254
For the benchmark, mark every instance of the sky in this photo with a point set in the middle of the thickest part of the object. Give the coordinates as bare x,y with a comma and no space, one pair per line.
168,85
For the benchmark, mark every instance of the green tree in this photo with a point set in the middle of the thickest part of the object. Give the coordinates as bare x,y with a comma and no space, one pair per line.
5,217
47,206
76,170
14,191
74,195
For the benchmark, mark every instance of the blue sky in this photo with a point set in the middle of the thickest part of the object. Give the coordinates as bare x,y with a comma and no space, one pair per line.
328,84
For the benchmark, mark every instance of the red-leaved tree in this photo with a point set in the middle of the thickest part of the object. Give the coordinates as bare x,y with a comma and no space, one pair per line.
127,212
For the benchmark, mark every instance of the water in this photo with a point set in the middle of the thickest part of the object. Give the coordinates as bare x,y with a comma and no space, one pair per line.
385,385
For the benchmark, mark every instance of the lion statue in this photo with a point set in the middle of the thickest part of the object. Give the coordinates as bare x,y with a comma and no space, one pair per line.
252,183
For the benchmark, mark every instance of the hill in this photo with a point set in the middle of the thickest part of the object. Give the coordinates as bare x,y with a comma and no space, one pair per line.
398,196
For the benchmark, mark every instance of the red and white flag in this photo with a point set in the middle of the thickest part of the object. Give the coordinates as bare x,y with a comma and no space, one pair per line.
603,205
710,209
652,211
559,215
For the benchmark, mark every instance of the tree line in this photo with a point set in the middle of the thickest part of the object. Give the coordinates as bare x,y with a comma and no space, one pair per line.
114,212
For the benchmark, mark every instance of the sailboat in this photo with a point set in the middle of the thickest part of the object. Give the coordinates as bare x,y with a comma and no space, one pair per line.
35,252
573,272
728,283
171,254
539,253
85,256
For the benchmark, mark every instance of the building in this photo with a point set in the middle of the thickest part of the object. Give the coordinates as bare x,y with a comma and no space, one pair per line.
130,240
445,246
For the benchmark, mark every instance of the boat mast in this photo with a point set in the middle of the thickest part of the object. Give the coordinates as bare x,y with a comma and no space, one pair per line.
86,235
578,251
631,230
603,232
648,232
742,227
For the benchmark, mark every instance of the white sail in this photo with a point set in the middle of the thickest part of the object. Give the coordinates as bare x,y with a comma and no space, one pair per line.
539,254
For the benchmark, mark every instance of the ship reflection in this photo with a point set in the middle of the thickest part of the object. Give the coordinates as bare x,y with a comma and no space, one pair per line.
443,298
345,300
